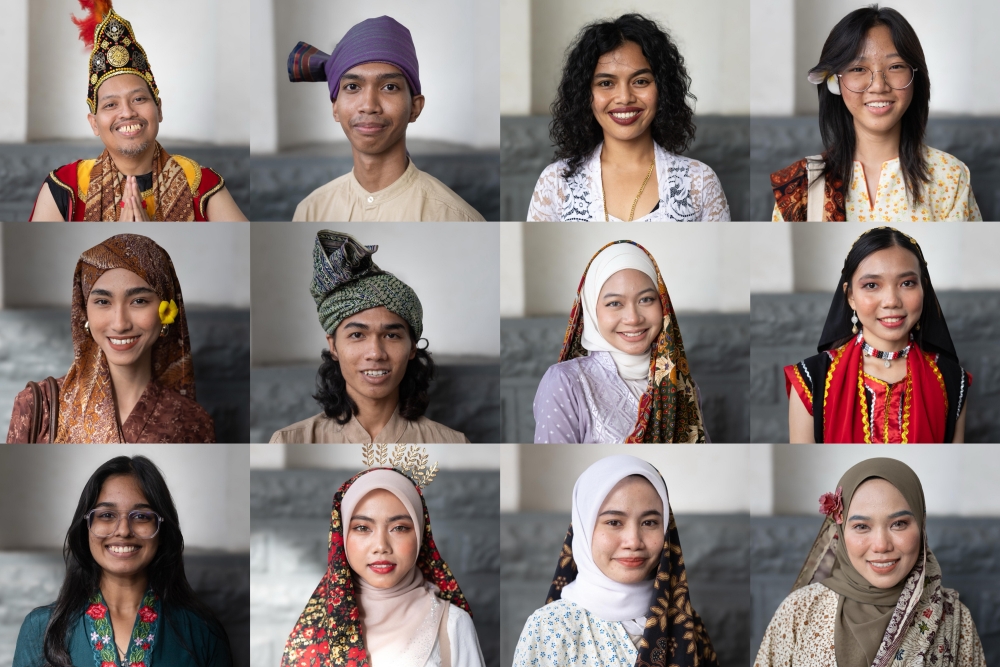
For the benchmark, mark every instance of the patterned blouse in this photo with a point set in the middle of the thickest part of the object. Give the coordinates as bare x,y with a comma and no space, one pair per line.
563,633
800,633
689,191
948,195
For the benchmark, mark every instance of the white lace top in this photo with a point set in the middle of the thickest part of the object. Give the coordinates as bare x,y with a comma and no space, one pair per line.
689,191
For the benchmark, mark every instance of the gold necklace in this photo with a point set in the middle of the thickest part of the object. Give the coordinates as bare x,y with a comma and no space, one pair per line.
634,201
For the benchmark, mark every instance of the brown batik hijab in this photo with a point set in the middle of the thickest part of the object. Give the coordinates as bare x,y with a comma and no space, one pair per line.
172,194
86,400
329,631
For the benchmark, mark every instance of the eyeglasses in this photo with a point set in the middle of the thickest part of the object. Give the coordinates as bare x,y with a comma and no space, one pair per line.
141,523
859,79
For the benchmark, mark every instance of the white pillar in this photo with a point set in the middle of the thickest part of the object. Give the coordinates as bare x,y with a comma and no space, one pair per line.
512,269
515,57
14,54
263,99
772,59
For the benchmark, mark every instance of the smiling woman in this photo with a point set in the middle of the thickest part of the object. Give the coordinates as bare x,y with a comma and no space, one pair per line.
622,374
887,370
870,590
622,554
125,599
132,378
874,93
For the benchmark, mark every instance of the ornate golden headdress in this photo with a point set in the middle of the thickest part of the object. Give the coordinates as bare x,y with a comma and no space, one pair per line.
114,49
408,460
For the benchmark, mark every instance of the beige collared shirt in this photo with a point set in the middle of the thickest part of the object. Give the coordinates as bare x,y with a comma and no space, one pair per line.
322,429
414,196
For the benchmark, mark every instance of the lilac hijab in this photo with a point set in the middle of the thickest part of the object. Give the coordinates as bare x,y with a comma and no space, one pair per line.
381,40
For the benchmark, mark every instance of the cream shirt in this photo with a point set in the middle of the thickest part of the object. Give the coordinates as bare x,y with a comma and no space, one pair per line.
322,429
414,196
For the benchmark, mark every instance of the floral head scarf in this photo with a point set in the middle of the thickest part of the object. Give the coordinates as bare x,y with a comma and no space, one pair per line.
328,632
86,402
668,410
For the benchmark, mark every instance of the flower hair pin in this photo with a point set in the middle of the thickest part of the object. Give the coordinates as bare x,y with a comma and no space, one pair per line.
168,311
832,82
408,460
832,505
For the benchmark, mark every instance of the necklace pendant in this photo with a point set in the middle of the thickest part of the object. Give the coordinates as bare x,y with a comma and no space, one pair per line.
887,363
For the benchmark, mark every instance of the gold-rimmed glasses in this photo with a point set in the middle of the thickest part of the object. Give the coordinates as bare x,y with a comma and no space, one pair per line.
858,79
103,522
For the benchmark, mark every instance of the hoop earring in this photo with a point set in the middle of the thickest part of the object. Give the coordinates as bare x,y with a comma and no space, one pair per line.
163,330
427,344
86,326
854,321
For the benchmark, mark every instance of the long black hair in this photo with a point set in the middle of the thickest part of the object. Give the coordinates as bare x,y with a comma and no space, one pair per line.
930,332
331,388
836,124
574,130
83,574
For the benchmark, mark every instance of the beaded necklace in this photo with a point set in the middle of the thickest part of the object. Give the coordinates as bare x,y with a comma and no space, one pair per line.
885,356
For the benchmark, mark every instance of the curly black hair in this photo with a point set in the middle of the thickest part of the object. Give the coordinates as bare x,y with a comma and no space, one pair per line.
331,388
574,130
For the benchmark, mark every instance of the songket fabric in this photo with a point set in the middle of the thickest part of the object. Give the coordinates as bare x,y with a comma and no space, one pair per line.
946,196
333,628
167,410
688,191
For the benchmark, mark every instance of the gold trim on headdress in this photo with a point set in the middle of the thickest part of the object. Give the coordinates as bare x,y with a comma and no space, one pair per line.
116,52
408,460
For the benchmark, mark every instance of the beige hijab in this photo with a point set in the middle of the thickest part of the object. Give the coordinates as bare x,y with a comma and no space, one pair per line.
400,623
863,610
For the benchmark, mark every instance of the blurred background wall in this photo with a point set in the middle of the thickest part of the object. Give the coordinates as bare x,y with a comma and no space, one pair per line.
712,37
704,267
209,485
455,138
453,267
787,37
212,261
796,267
291,492
963,520
195,49
708,494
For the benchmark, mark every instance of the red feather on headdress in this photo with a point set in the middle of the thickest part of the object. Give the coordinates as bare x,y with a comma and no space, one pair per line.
96,11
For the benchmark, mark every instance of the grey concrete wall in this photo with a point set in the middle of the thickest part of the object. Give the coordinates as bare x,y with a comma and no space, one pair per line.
716,550
464,396
776,143
289,533
722,142
784,329
281,181
966,549
37,343
717,350
23,168
30,579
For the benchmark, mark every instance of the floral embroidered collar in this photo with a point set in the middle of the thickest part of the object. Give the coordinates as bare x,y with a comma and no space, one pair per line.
144,632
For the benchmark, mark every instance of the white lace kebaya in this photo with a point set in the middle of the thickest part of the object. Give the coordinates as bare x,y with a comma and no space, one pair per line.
689,191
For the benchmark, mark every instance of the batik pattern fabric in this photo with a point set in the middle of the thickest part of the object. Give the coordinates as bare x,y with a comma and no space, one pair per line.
145,631
86,398
346,281
688,191
668,410
791,195
947,196
115,50
929,626
848,408
329,632
107,188
675,635
564,633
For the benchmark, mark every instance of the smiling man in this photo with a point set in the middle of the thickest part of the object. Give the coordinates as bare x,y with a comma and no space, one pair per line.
374,83
374,379
134,178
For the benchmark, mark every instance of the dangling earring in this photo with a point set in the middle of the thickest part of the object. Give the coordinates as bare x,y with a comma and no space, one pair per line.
854,321
163,330
918,326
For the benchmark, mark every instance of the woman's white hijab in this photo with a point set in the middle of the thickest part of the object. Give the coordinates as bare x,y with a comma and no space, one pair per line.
633,368
592,589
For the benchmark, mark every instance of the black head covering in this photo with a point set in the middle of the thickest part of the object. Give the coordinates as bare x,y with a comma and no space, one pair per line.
931,332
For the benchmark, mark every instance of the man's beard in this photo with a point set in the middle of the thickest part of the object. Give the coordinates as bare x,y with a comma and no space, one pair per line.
134,151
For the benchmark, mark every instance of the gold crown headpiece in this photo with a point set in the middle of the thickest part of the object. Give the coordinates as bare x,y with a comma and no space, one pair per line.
408,460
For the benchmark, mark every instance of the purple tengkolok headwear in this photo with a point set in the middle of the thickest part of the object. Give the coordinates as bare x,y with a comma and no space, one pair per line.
381,40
